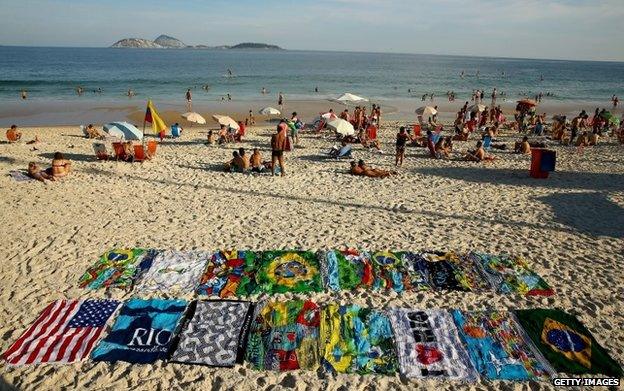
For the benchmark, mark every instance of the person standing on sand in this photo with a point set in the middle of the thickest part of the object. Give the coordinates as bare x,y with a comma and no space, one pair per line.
401,141
278,145
280,100
189,99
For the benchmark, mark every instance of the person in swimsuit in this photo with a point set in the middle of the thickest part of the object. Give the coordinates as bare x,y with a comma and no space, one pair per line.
401,141
35,172
60,166
278,145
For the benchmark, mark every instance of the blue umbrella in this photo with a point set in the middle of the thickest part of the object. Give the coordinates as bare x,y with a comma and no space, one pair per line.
123,130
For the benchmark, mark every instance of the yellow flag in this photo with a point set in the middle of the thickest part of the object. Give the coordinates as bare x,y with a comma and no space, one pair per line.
151,116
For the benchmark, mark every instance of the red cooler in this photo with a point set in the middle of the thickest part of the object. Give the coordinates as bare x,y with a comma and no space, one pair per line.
542,162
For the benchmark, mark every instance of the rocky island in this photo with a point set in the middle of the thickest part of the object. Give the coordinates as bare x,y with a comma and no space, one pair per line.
169,42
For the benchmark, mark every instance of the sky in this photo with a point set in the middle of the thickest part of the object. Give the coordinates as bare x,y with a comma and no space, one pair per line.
554,29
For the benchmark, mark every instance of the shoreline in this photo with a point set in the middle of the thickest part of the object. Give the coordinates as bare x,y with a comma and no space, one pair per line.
77,112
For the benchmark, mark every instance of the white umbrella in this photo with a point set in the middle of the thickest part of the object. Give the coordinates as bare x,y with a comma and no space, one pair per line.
270,111
341,127
225,120
349,97
194,117
123,130
475,108
426,110
328,115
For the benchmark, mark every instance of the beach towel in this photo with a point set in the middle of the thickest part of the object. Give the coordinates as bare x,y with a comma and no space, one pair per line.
498,347
469,274
357,340
566,343
214,333
416,276
289,271
508,274
65,331
284,336
115,268
20,176
428,345
176,271
388,270
229,274
347,269
142,332
442,271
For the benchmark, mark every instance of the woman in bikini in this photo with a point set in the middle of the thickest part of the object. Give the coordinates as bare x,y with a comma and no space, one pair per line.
60,166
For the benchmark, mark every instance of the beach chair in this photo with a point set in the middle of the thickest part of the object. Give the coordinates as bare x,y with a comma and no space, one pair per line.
100,151
487,143
417,129
120,153
139,153
151,148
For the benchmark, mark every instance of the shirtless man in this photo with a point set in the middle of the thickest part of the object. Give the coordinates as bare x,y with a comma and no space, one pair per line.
13,134
523,146
278,145
478,155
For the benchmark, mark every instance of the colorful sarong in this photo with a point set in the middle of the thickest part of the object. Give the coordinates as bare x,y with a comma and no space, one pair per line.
511,275
229,274
469,274
289,271
214,333
284,336
64,332
498,346
347,269
442,270
428,345
416,271
142,332
177,271
357,340
566,343
389,271
117,268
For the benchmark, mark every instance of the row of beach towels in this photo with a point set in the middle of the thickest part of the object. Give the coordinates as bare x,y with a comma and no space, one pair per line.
520,345
238,273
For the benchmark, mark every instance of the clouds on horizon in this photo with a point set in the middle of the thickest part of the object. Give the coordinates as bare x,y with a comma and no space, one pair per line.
573,29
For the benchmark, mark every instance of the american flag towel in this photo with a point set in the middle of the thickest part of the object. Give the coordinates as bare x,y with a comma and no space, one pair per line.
64,332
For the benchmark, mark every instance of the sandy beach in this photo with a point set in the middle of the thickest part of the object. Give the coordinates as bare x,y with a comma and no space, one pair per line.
569,227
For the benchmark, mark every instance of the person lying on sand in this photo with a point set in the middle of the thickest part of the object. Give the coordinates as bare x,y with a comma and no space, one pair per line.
13,134
37,173
33,141
478,155
60,166
363,170
523,146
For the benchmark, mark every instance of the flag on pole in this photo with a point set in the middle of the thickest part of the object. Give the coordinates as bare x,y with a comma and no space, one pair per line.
64,332
151,116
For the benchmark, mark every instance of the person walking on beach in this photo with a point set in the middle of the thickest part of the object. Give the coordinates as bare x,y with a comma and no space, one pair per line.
189,98
278,145
401,141
280,100
494,96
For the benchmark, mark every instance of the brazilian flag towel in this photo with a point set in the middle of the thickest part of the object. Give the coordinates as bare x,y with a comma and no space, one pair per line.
566,343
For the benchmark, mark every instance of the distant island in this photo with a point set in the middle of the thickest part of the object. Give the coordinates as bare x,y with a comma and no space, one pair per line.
168,42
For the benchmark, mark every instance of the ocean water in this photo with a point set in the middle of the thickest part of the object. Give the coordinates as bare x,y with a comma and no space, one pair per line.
164,75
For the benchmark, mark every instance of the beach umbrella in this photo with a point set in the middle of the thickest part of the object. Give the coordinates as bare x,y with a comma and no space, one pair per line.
225,120
426,110
270,111
527,102
194,117
123,130
476,108
341,127
328,115
350,98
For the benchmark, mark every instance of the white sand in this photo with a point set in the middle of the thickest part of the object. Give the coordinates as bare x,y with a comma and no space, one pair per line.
570,227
